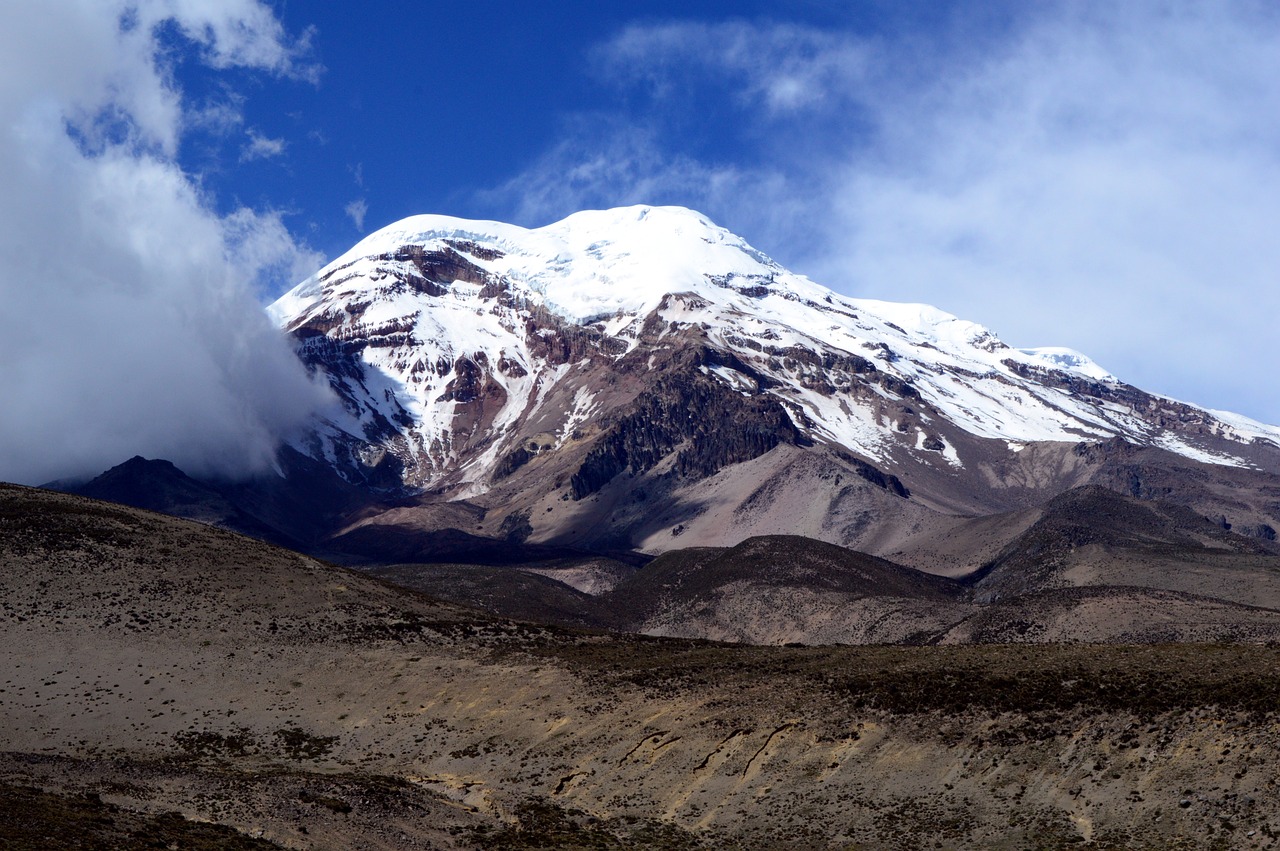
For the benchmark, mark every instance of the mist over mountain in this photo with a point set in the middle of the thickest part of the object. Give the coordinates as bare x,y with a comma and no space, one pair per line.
131,322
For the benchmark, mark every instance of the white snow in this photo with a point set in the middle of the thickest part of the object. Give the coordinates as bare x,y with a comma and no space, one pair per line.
583,407
736,380
1056,357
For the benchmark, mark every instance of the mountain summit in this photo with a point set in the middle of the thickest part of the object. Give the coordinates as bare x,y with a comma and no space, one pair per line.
625,376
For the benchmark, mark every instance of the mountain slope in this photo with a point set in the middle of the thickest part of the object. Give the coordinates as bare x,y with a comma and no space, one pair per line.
1090,566
158,485
785,588
576,381
1092,536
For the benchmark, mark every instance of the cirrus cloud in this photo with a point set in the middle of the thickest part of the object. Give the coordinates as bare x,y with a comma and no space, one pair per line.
785,68
261,147
1107,180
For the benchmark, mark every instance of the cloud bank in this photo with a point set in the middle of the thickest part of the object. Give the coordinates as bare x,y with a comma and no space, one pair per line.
130,321
1096,175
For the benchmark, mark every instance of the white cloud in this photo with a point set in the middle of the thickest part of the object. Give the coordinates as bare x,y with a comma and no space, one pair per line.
217,117
594,168
234,33
1108,181
356,210
604,164
785,68
1098,175
131,324
261,147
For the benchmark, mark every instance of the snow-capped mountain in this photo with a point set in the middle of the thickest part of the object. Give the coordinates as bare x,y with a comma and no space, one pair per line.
622,354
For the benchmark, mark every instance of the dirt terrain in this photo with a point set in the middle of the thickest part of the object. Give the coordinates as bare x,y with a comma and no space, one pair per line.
161,679
1092,565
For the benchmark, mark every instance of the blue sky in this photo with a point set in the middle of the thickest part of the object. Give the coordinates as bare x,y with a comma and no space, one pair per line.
441,109
1087,174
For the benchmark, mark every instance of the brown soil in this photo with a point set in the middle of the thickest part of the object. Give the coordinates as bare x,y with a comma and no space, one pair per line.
167,667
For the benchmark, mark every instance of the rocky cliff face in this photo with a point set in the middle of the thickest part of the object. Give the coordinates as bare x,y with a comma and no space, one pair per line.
635,357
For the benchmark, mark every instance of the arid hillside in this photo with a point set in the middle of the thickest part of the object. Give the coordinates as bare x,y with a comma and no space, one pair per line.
169,682
1090,566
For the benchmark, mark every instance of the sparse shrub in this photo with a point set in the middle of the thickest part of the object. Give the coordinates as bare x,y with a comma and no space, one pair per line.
300,744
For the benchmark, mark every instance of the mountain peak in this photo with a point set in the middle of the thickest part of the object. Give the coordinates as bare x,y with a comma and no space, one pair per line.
591,264
464,349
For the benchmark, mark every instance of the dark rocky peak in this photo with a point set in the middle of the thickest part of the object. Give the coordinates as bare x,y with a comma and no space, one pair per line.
438,268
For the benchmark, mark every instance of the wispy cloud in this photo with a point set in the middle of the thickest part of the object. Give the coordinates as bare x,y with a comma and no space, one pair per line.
356,211
784,68
1104,181
594,167
220,117
605,163
131,321
1104,176
261,147
233,34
